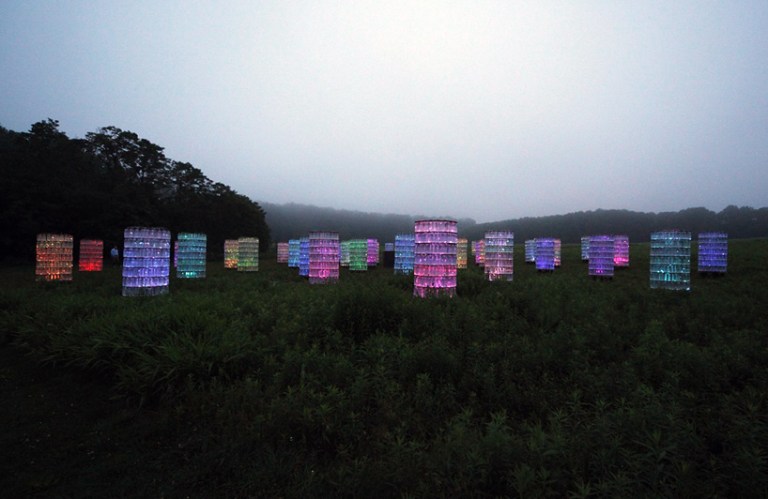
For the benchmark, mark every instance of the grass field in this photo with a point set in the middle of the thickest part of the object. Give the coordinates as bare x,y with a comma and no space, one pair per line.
258,384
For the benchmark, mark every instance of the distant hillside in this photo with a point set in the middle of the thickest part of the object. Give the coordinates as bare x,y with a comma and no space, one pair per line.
293,220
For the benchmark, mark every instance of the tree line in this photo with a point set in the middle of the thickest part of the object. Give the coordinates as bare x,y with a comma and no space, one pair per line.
97,186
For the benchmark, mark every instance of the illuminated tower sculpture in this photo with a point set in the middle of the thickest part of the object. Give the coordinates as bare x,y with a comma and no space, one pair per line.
480,253
282,252
91,255
671,260
358,255
344,258
146,261
230,253
304,257
373,252
248,254
621,251
191,255
294,248
54,257
558,252
499,247
584,248
434,267
545,254
713,252
404,246
530,251
461,253
323,257
601,257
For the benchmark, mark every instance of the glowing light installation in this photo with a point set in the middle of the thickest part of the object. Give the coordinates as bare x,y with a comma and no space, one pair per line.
389,246
230,253
91,255
601,257
404,256
499,248
461,253
713,252
358,255
530,251
621,251
373,252
282,252
584,248
434,267
191,255
54,257
344,258
304,257
323,257
671,260
480,253
558,252
175,253
294,248
146,261
248,254
545,254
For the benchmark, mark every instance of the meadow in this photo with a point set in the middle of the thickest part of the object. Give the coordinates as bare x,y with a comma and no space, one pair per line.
554,385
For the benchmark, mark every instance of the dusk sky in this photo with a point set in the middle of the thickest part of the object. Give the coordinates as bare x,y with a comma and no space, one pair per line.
489,110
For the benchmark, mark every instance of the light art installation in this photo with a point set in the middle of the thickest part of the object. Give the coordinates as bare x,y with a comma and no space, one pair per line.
54,257
191,255
621,251
146,261
358,255
389,246
404,246
230,253
545,254
294,248
434,267
671,260
499,248
248,254
282,252
323,257
91,255
530,251
584,248
480,253
713,252
304,257
344,257
175,253
373,252
461,253
558,252
601,256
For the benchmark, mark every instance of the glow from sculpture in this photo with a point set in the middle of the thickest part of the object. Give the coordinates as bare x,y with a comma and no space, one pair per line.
358,255
230,253
373,252
585,248
713,252
601,256
344,258
671,260
91,255
499,251
323,257
434,267
530,251
146,261
558,252
404,256
389,246
545,254
282,252
54,257
294,249
621,251
248,254
191,255
462,247
480,253
304,257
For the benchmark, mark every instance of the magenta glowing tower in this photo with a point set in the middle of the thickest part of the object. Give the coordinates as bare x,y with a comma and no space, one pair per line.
323,257
479,252
91,255
282,252
713,252
434,268
545,254
499,247
373,252
54,257
601,256
621,251
230,253
146,261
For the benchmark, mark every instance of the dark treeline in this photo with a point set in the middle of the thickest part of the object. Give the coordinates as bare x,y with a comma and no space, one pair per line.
97,186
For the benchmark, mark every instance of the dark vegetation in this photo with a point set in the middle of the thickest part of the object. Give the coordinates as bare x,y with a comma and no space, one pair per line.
258,384
97,186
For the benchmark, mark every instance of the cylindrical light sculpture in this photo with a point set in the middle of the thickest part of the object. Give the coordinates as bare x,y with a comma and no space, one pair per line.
358,255
373,252
671,260
146,261
230,253
344,258
499,248
304,257
248,254
558,252
530,251
91,255
480,253
713,252
585,248
545,254
294,248
462,248
282,252
404,246
323,257
601,258
54,257
621,251
434,267
191,255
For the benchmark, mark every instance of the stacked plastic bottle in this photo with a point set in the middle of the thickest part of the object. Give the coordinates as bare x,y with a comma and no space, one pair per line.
462,248
530,251
230,253
389,246
294,248
499,251
344,257
146,261
601,257
282,252
671,260
713,252
558,252
434,267
323,257
190,263
584,248
480,253
54,257
248,254
545,254
621,251
358,255
373,252
91,255
404,246
304,257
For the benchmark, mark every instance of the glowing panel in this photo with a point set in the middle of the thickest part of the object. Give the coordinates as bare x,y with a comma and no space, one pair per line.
558,252
713,252
499,250
584,248
479,253
671,260
545,254
621,251
54,257
358,255
191,255
373,252
146,261
530,251
404,247
304,257
294,248
282,252
344,258
230,253
248,254
434,267
461,253
323,257
91,255
601,257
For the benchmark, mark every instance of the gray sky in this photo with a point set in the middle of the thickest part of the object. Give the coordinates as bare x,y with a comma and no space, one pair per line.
490,110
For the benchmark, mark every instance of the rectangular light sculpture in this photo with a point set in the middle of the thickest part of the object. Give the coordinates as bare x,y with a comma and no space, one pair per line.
191,255
91,255
54,257
404,256
146,261
323,257
434,268
671,260
601,256
248,254
713,252
230,253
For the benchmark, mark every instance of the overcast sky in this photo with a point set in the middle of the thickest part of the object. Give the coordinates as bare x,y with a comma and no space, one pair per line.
489,110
